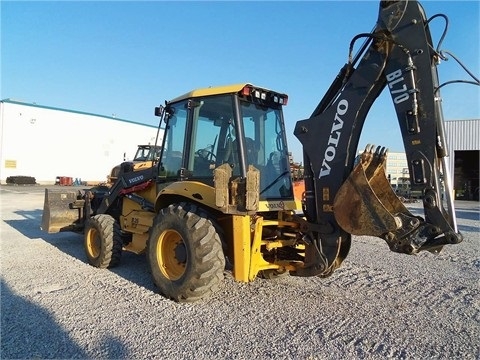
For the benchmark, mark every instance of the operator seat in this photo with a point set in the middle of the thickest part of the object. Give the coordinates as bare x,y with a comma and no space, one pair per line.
228,150
251,153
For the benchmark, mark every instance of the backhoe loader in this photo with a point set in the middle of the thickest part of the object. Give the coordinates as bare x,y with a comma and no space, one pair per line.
145,156
220,197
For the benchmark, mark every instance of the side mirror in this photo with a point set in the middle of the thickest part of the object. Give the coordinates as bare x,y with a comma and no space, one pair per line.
159,110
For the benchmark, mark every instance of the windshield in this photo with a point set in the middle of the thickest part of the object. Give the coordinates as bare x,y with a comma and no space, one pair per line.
147,153
266,149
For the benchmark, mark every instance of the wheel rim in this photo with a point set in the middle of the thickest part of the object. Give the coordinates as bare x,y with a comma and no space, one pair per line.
171,254
93,243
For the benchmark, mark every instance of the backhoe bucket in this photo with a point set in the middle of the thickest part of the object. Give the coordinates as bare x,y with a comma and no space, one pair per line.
58,214
366,204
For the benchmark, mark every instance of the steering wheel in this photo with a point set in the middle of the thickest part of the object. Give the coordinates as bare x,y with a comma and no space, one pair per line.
206,154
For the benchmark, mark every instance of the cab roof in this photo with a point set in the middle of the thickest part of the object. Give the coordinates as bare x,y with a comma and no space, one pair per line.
214,90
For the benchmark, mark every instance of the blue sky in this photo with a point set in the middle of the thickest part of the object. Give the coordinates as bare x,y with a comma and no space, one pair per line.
124,58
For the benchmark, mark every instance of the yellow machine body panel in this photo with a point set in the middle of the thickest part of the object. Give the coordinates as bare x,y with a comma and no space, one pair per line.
192,190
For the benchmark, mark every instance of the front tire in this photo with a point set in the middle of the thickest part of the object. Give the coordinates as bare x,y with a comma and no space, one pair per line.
103,241
185,253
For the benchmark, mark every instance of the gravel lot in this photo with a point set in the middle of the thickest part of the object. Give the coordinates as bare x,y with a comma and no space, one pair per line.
377,305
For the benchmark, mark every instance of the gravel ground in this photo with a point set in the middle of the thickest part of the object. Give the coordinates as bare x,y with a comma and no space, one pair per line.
377,305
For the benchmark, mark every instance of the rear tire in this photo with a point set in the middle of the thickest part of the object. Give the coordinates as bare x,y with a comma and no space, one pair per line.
103,241
185,253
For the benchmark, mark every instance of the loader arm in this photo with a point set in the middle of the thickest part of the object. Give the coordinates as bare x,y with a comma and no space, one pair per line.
398,55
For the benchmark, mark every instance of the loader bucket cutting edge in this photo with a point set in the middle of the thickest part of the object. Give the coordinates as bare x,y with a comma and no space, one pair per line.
57,215
366,204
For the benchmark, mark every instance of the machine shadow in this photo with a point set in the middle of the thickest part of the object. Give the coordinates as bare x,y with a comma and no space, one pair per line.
461,213
467,214
133,267
16,329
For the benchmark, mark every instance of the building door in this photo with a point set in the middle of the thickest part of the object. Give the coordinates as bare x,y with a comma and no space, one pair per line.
466,174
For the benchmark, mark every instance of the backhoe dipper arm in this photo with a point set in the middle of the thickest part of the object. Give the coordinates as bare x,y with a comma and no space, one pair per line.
398,55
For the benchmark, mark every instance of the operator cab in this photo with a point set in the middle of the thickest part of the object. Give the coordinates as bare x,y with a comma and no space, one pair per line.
238,125
147,153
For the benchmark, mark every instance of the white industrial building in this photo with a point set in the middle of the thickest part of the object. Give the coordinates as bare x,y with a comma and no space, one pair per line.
45,142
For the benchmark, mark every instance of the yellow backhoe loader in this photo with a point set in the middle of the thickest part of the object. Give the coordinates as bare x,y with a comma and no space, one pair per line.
220,198
146,156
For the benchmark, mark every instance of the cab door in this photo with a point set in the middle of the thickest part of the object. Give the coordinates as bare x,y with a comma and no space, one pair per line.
174,142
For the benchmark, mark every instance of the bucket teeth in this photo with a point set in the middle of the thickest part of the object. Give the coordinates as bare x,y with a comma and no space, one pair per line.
371,160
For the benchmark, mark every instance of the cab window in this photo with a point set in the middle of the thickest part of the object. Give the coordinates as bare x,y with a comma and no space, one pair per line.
266,149
212,135
174,141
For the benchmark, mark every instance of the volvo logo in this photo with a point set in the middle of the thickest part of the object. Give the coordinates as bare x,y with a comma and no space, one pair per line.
135,179
335,133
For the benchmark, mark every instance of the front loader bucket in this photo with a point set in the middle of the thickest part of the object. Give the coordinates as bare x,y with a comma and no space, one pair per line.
366,204
58,214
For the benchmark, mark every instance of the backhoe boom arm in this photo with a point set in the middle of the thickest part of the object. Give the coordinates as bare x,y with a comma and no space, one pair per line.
398,55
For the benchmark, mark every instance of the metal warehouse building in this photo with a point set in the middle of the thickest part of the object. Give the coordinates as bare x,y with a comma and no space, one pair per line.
463,139
45,142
